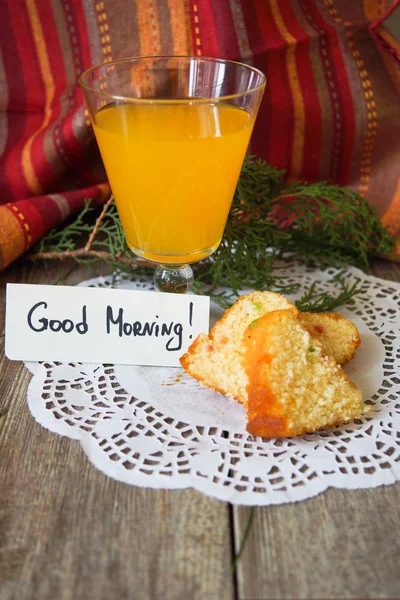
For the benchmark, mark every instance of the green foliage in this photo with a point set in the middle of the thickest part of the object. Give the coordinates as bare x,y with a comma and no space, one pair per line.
334,225
270,225
315,301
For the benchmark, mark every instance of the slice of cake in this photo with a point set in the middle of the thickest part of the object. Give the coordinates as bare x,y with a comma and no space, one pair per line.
338,336
293,387
216,359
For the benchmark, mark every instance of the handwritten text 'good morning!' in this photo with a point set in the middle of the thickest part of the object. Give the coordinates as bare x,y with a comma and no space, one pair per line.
39,320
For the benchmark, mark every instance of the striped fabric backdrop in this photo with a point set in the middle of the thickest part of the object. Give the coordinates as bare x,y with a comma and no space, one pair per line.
331,110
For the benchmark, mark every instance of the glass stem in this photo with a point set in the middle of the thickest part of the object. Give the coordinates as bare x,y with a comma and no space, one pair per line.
175,279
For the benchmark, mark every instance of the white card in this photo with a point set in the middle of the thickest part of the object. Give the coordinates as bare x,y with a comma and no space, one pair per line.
78,324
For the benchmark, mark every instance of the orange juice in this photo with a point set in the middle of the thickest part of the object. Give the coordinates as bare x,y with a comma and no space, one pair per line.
173,169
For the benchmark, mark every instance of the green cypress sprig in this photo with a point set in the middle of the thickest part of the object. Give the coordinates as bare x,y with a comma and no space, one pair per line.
314,300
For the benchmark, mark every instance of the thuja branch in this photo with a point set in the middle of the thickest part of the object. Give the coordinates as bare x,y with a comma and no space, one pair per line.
64,239
97,225
82,253
105,242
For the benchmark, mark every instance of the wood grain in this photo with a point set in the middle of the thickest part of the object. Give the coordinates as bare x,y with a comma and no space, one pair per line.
341,544
68,532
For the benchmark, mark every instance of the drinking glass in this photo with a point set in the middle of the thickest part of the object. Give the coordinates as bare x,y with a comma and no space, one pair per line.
173,133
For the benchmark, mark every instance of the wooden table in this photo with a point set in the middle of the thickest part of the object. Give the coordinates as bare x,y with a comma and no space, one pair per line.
69,532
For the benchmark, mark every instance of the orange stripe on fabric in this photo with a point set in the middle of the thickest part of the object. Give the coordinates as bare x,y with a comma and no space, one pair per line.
104,37
23,223
373,9
391,217
106,48
180,26
148,27
49,89
294,82
196,29
12,236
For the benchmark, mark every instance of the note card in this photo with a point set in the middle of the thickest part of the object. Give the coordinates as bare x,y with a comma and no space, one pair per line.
96,325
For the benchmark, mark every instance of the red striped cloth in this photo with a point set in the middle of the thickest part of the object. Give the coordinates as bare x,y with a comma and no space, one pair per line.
331,109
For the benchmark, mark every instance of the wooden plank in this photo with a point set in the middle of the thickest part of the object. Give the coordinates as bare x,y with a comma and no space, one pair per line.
69,532
341,544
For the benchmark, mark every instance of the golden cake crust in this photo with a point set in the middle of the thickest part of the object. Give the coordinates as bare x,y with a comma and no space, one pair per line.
293,386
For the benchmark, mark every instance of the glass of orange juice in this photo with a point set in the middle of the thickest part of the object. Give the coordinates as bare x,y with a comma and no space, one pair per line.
173,133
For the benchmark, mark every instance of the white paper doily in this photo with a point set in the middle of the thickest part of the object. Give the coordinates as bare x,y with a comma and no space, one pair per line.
157,427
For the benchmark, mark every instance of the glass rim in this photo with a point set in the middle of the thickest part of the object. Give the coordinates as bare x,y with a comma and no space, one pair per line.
193,100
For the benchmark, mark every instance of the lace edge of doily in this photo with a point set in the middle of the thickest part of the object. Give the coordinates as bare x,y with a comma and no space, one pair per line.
224,494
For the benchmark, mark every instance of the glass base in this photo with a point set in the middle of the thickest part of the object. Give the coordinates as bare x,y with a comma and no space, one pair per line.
174,260
173,279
